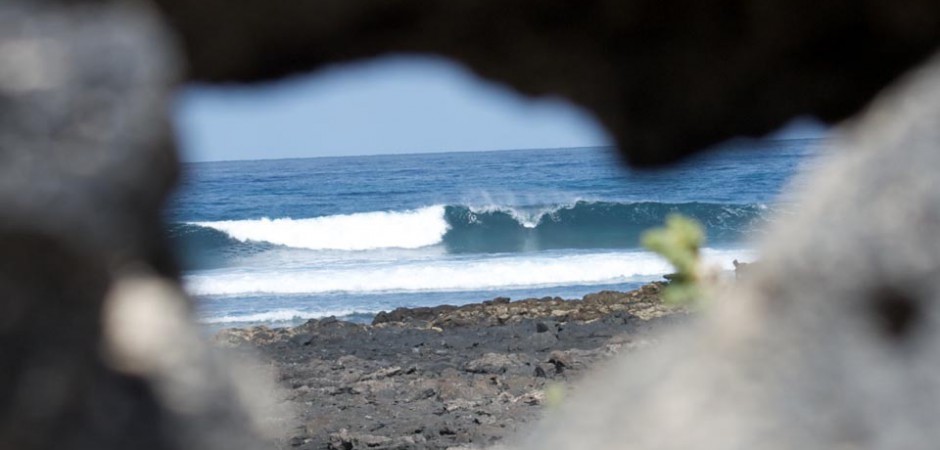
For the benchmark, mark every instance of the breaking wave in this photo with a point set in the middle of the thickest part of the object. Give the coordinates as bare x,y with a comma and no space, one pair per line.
462,229
362,231
280,315
454,274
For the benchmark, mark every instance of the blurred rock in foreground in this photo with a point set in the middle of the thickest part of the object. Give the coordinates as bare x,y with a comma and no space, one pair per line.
829,343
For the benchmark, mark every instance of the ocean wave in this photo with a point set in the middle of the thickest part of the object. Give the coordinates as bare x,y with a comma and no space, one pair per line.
451,275
208,248
362,231
462,229
588,225
280,315
526,217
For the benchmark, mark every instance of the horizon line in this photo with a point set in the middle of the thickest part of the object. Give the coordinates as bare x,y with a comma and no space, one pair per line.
368,155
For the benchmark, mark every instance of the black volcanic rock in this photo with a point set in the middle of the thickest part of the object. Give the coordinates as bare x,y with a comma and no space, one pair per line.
410,384
643,303
666,78
87,161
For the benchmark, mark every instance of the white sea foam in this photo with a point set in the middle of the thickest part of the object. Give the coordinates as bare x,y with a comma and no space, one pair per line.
528,217
279,315
454,274
362,231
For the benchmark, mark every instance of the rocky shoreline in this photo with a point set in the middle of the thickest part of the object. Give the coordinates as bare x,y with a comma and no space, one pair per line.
446,376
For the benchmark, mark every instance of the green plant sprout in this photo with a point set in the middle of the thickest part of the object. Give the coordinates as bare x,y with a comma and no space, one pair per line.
554,395
679,242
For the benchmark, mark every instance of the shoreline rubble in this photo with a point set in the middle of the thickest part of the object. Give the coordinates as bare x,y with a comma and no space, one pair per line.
446,376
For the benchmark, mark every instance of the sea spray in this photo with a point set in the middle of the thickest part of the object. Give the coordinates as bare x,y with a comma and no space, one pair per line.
452,274
362,231
461,229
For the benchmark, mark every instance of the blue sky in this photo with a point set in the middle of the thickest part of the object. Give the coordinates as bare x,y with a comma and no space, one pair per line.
396,104
391,105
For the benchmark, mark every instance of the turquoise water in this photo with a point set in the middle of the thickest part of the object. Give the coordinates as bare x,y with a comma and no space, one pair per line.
281,241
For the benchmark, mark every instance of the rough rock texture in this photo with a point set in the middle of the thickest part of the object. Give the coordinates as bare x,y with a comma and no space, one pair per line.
666,77
409,384
644,303
96,342
832,340
830,345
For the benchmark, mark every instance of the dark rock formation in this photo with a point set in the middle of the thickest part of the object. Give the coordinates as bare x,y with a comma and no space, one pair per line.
411,314
840,321
643,303
86,160
828,342
410,385
666,78
741,269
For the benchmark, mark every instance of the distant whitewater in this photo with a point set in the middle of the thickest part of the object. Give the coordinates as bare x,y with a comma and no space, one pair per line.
466,229
277,242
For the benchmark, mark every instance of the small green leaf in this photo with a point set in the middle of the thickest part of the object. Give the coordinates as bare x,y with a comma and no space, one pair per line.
681,294
554,395
679,242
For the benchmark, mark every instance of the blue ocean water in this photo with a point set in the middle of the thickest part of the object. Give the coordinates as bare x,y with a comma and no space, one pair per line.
280,241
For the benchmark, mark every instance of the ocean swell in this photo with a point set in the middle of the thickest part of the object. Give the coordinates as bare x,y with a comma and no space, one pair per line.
280,315
362,231
437,276
454,274
462,229
587,225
